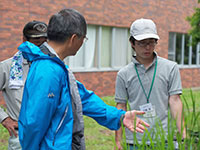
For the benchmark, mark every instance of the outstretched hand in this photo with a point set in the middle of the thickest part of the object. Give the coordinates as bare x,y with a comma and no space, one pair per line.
133,123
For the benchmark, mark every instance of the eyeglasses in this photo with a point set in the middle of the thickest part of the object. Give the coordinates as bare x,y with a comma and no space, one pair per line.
144,44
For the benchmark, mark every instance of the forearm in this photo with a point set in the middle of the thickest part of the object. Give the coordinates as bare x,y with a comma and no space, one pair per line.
118,133
118,137
176,108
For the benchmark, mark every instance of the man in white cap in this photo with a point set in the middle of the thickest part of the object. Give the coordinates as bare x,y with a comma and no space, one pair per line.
12,78
149,83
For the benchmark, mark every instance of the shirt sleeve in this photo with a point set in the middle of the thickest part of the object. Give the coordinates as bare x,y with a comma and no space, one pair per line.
95,108
40,100
3,115
121,95
175,86
3,78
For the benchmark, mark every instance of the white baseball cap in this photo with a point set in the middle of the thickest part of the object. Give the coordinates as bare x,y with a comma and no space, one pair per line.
143,29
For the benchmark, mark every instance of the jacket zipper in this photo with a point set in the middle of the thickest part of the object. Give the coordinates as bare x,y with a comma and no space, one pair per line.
60,124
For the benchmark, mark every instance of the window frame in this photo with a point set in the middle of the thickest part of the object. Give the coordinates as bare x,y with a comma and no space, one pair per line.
98,47
172,52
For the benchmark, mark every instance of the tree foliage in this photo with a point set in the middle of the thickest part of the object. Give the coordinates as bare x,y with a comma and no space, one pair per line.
194,21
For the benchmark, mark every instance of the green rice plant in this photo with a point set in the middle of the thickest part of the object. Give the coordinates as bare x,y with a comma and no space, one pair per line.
157,138
192,116
100,138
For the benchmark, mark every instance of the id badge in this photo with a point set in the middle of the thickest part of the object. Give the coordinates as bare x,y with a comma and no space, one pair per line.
149,110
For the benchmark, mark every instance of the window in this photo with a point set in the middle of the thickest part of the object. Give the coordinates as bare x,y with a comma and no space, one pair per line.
107,48
180,50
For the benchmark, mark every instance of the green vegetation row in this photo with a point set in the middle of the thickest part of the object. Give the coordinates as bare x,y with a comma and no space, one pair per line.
100,138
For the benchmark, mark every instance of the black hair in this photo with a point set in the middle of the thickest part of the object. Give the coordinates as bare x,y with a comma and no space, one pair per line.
64,24
132,40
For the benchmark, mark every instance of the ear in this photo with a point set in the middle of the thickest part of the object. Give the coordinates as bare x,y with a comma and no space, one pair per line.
73,38
132,45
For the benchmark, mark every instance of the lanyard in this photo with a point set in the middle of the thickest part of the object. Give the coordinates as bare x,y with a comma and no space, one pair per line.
151,82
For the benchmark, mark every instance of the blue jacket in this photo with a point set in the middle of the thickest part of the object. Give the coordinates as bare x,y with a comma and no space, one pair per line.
46,118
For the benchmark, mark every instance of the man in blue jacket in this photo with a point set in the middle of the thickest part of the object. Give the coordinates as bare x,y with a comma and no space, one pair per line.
51,92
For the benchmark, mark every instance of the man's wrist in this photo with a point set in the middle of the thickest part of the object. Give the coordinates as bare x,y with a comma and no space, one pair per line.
4,119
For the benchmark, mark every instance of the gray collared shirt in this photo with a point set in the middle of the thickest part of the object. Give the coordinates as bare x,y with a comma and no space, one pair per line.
12,97
167,82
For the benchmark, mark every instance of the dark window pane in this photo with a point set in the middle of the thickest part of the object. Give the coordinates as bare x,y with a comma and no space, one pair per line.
194,55
171,48
178,47
186,52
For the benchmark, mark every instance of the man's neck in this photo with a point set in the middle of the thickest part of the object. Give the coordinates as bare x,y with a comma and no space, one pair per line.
146,62
58,48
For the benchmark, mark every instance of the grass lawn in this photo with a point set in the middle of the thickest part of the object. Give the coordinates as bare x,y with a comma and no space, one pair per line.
3,138
98,137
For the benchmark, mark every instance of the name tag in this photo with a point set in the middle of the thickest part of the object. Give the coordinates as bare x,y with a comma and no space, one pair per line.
149,110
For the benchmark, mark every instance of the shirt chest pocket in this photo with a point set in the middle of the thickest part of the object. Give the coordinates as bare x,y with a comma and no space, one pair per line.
17,94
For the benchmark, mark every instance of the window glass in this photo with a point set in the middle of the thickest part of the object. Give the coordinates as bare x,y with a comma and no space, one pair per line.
90,47
120,47
130,50
186,52
171,46
106,47
84,58
194,53
77,61
198,53
178,48
96,48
